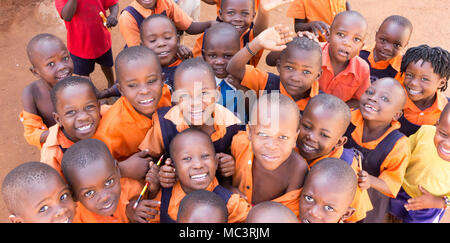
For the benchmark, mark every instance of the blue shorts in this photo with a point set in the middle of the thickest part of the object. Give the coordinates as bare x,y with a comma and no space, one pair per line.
85,67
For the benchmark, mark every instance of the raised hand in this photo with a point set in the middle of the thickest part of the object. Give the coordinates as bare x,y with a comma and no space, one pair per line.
275,38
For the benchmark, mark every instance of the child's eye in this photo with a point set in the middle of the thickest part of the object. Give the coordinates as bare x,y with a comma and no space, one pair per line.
205,156
306,72
284,137
329,209
230,12
443,134
66,58
212,56
408,75
151,81
383,40
90,107
64,196
50,64
340,34
384,98
43,209
356,39
89,193
369,91
397,46
131,85
245,14
308,198
324,135
425,79
109,182
289,68
262,134
69,113
187,158
306,126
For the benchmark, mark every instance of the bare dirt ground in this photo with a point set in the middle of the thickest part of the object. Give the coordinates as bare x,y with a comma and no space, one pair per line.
21,20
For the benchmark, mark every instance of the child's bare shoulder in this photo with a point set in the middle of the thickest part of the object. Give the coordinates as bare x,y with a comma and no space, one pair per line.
31,95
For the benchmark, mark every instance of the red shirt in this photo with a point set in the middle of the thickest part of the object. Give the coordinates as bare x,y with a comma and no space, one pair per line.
86,36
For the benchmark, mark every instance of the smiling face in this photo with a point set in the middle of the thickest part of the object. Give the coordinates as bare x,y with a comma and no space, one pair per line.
51,61
195,160
321,131
442,136
239,13
97,186
159,35
346,37
195,93
47,203
421,83
383,101
274,135
77,111
299,69
390,40
217,52
141,83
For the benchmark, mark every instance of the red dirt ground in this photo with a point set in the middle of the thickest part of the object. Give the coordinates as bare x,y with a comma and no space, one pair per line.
21,20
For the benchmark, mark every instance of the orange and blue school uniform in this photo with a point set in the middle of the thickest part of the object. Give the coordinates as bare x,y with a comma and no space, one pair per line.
129,188
413,117
361,203
381,69
259,80
386,158
427,169
242,152
122,128
169,121
350,83
131,17
170,199
246,38
33,126
316,10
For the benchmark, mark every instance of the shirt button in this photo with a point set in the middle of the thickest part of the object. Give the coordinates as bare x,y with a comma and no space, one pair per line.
248,187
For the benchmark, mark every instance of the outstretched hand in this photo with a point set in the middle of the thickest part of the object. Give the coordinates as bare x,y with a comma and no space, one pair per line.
275,38
426,200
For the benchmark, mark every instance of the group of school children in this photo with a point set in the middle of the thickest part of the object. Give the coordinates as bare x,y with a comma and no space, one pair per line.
343,133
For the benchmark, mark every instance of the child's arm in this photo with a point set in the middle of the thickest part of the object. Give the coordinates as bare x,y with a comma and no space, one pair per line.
347,6
69,10
112,18
426,200
199,27
313,26
210,2
136,166
146,209
262,17
273,39
153,178
366,181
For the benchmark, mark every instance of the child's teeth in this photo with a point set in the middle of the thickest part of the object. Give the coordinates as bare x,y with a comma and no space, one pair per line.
145,101
371,107
414,92
84,127
198,176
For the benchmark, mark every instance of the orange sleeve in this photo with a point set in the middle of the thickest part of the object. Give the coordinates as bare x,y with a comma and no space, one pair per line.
296,10
197,51
153,140
52,155
238,209
364,73
254,78
361,203
393,168
33,128
129,29
291,200
181,20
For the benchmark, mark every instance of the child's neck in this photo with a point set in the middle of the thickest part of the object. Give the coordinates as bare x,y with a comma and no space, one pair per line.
47,85
374,129
338,66
423,104
209,129
68,136
301,96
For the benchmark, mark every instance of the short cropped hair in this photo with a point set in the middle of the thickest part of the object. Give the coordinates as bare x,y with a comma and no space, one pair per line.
303,43
202,197
37,39
191,130
150,18
270,208
400,20
349,13
221,30
82,154
134,53
223,1
194,63
18,181
437,56
70,82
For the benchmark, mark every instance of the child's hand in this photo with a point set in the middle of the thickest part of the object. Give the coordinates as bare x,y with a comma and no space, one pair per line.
145,210
363,180
167,176
234,190
226,164
152,177
309,35
275,38
111,21
267,5
319,27
183,52
136,166
426,200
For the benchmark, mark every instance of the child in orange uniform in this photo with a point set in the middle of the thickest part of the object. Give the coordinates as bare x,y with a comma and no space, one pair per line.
94,177
196,168
374,131
50,62
267,166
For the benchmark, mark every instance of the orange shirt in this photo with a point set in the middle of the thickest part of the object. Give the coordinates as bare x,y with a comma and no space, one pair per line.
122,128
351,83
129,188
33,126
237,207
130,30
241,150
393,168
361,203
256,79
51,152
394,62
154,142
198,46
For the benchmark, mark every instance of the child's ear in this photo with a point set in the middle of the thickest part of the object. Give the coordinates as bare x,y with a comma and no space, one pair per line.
15,219
341,141
350,211
35,72
249,134
442,83
57,120
319,74
278,65
398,115
119,88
